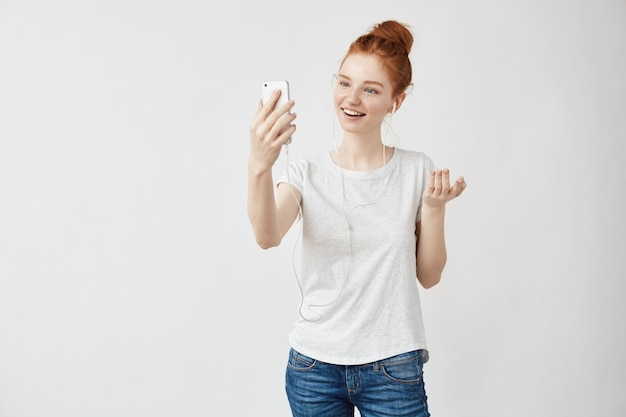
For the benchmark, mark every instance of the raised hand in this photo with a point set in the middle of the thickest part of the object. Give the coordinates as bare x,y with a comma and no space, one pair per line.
439,191
270,128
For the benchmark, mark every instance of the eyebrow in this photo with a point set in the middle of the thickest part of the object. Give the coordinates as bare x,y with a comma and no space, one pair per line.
365,82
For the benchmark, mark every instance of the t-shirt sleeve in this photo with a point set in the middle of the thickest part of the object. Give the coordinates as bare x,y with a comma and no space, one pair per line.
293,174
425,167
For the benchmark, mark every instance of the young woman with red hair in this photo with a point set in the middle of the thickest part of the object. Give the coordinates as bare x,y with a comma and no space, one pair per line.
372,227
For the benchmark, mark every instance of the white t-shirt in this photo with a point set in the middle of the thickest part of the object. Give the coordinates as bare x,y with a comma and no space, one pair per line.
361,300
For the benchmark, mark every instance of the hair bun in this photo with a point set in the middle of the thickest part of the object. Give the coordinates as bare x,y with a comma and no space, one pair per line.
390,41
395,32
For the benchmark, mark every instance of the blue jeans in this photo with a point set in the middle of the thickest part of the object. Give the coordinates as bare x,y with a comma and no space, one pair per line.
390,387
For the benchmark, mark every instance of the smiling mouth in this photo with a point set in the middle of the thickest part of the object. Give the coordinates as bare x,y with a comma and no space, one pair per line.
352,113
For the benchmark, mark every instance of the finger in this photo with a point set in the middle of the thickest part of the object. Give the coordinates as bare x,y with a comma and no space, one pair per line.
281,113
285,108
286,121
463,184
264,109
459,187
281,125
431,182
445,181
267,107
437,189
259,127
287,134
269,126
272,100
278,113
255,118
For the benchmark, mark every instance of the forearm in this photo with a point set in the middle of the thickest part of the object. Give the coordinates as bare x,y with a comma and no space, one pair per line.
262,210
431,253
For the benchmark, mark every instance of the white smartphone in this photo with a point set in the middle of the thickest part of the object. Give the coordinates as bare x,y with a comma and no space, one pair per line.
268,88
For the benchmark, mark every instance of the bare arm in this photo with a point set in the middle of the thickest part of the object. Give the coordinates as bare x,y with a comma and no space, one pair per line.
271,216
431,255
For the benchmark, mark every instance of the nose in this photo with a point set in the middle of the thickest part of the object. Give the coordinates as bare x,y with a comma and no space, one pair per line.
353,96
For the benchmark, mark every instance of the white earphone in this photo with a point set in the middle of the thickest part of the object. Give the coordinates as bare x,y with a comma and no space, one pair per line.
394,108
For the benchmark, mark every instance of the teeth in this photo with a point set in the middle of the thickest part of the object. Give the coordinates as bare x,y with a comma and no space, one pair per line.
352,113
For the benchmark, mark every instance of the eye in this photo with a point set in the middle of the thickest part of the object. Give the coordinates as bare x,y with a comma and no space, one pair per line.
344,84
371,91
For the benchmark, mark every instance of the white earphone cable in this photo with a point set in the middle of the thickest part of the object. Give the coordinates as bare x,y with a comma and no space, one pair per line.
346,216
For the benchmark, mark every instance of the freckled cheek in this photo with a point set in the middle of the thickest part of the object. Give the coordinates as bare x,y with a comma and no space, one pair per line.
377,109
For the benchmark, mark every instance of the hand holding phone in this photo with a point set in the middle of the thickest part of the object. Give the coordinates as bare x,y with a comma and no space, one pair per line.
269,87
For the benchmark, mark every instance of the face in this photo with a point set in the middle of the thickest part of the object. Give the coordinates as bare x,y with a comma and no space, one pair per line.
363,94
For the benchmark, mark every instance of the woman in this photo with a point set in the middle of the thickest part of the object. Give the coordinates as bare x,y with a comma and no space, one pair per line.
372,222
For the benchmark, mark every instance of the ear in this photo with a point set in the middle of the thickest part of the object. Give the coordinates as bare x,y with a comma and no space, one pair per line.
397,102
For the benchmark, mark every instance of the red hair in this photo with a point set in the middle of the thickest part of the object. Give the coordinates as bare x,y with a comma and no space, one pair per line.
390,41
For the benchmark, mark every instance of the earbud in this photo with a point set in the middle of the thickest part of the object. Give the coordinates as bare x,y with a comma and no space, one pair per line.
394,108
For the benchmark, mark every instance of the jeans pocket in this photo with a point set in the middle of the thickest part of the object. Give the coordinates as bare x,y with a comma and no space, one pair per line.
300,362
406,369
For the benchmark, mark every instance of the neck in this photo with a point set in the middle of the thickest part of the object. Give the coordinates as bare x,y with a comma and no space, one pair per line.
362,154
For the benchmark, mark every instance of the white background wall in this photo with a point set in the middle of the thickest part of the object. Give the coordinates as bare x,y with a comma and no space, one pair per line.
130,283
